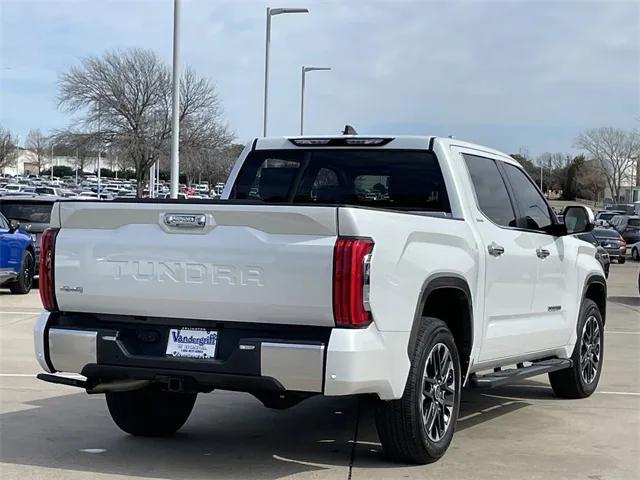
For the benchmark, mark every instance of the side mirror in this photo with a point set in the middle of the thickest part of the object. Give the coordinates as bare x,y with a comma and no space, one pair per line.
578,219
14,225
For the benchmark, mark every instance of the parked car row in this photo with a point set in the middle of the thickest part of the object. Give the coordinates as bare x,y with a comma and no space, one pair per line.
86,187
621,232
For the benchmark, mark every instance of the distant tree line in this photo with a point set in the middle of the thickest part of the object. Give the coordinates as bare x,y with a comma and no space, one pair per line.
611,160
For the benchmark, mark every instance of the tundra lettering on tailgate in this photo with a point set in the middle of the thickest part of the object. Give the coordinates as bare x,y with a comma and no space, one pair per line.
187,272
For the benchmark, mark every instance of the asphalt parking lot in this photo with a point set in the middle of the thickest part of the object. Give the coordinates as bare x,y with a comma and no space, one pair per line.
521,431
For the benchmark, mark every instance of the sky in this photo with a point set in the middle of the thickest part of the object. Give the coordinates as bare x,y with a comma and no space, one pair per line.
512,75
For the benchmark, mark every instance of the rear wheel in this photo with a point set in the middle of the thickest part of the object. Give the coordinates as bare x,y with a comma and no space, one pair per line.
621,260
150,412
418,427
634,254
582,378
22,285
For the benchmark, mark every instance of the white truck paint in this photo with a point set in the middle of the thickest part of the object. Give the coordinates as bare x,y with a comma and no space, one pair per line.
259,265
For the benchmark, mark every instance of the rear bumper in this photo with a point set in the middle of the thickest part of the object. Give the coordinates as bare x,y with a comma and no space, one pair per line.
312,360
7,275
615,253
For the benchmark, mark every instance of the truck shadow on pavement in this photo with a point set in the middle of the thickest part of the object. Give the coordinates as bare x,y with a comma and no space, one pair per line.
229,435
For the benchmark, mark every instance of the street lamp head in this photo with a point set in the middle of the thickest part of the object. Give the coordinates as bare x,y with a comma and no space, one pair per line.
278,11
312,69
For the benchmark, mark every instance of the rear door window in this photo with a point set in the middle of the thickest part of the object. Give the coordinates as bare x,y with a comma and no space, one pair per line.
533,208
491,191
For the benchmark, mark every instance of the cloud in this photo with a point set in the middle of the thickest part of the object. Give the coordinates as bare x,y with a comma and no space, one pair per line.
509,74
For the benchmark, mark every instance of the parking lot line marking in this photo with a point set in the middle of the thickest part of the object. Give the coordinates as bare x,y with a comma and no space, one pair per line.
19,313
620,332
633,394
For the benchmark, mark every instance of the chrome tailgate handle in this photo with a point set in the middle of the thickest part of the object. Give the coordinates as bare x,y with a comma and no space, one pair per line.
181,220
495,250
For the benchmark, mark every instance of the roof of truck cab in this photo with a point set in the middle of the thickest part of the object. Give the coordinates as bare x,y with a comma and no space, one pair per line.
404,142
416,142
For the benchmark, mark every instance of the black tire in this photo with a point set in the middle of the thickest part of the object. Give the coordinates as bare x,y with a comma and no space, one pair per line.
571,383
400,424
22,285
150,412
621,260
635,255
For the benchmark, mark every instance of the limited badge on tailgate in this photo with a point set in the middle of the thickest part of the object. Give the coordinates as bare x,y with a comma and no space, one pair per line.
192,343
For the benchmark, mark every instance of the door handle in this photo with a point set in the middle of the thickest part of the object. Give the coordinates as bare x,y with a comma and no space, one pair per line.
495,250
542,253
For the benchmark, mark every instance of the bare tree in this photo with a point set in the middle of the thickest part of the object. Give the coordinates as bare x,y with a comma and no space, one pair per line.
127,94
38,144
82,146
591,181
8,148
617,152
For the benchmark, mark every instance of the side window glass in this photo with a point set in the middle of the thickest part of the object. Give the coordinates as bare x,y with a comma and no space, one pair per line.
532,205
491,191
3,224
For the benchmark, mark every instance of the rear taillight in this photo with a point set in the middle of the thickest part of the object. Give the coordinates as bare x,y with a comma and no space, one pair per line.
350,281
45,283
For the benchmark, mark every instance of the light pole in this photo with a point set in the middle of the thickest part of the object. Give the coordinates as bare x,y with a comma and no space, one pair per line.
99,151
304,73
270,13
541,177
175,102
51,162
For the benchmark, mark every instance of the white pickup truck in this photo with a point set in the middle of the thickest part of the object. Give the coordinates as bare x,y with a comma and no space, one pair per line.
399,267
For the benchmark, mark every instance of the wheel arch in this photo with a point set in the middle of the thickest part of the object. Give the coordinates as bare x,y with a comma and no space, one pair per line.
447,296
595,289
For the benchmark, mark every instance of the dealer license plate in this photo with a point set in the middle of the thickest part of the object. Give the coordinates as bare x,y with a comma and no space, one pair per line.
192,343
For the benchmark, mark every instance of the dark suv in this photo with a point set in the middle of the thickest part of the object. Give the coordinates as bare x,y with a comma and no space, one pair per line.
628,226
33,214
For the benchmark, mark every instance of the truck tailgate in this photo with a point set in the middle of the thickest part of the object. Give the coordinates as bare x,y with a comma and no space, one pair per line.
247,263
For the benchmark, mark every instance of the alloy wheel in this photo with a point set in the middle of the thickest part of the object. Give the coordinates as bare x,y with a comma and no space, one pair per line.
28,271
438,392
590,348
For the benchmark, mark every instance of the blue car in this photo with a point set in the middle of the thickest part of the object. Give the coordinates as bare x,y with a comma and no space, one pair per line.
17,258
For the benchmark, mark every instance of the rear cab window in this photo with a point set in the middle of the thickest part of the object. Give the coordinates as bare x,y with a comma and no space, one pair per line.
384,178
